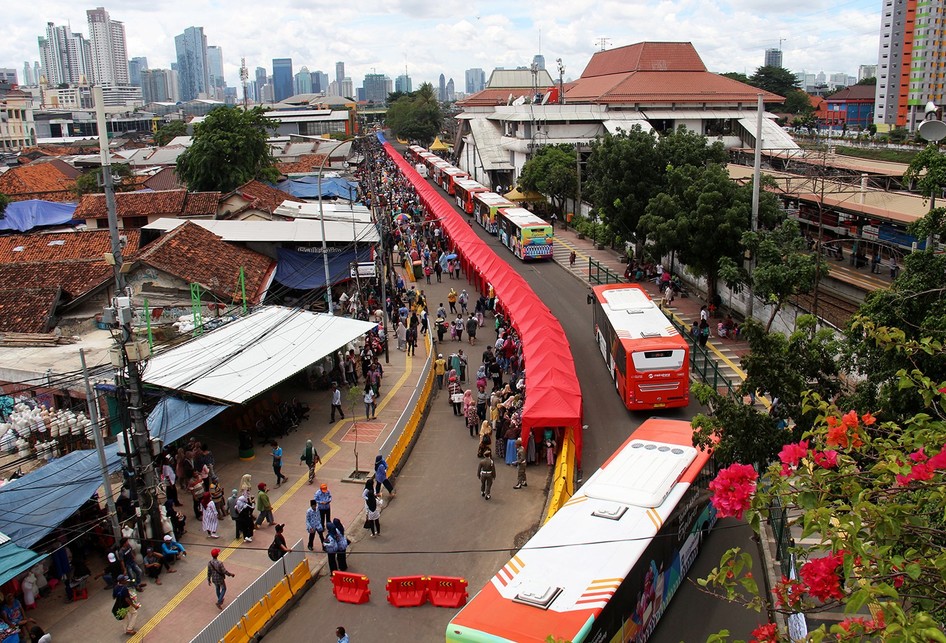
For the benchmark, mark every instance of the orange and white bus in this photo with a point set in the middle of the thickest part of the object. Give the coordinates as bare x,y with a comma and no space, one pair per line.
449,177
436,166
606,565
485,207
463,190
648,359
526,235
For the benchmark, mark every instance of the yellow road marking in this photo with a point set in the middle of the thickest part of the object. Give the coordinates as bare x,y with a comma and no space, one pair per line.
230,549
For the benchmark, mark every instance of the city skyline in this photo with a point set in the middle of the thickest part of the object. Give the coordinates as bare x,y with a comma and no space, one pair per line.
485,35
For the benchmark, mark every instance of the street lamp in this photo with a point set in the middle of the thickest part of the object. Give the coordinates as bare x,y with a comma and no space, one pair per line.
328,276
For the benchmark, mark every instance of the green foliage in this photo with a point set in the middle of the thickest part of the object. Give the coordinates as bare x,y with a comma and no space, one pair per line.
416,116
784,268
927,172
878,154
552,171
777,80
897,329
798,102
870,80
930,225
4,202
736,75
230,148
90,182
735,431
169,131
898,135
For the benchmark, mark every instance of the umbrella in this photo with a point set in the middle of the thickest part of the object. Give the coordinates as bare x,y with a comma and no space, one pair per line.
402,217
451,256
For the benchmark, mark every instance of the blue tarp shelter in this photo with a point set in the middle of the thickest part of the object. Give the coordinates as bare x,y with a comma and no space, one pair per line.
22,216
307,187
306,270
37,503
15,559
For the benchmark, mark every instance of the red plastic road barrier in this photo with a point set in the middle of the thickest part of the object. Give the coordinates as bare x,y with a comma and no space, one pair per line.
350,588
447,591
407,591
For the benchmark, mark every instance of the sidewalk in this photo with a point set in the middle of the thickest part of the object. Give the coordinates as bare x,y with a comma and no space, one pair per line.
179,608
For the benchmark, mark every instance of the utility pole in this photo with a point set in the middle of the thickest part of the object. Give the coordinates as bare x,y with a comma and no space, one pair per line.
756,186
130,351
92,403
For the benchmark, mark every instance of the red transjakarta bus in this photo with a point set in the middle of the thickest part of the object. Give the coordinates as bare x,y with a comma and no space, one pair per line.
604,568
648,359
449,177
437,165
464,189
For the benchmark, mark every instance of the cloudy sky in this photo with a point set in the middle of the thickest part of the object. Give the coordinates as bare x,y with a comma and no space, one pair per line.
449,36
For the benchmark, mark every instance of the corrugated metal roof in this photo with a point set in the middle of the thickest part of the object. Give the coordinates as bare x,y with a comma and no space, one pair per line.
298,231
486,138
521,78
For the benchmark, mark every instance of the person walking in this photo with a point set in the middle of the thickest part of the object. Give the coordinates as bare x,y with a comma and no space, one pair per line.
372,510
370,408
209,520
571,259
232,509
335,546
310,457
277,463
440,367
126,604
337,398
456,396
452,300
323,500
244,521
412,337
520,465
472,416
264,506
381,476
486,472
340,633
464,300
313,525
471,327
217,576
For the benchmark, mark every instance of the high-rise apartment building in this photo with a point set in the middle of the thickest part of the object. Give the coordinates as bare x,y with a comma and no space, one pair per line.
773,57
442,89
260,75
159,86
911,61
28,73
218,83
109,51
339,73
319,82
475,80
135,67
403,84
451,91
866,71
193,70
66,56
302,81
282,78
347,88
375,88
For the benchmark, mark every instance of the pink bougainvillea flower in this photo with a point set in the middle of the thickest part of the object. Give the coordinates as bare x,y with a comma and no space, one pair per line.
837,436
791,454
821,577
868,419
765,634
919,455
732,490
938,461
826,459
850,419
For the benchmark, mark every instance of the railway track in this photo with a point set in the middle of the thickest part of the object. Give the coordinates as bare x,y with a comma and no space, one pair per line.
832,307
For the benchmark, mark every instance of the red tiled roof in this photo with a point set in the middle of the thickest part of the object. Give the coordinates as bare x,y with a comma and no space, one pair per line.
44,181
196,255
305,163
261,196
645,56
76,277
68,171
28,310
64,246
493,97
164,179
662,87
170,203
861,93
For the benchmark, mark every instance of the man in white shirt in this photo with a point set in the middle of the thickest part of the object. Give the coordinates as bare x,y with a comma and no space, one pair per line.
336,402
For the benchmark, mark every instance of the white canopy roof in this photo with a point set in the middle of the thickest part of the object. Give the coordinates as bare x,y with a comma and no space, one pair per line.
246,357
299,231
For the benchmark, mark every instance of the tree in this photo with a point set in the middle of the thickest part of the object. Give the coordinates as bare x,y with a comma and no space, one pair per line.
169,131
4,202
686,147
783,266
798,102
230,147
552,171
735,431
777,80
927,172
870,80
874,493
735,75
416,116
91,182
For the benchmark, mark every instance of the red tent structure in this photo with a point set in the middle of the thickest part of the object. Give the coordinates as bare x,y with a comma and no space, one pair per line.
553,396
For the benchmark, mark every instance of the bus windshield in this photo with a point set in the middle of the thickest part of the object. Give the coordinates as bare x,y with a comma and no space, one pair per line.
658,360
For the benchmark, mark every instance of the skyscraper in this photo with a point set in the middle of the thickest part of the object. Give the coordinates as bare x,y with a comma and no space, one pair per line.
374,88
302,81
773,57
282,78
403,84
8,76
193,72
260,75
37,72
109,52
347,88
28,73
135,67
442,89
319,82
475,80
66,56
912,55
215,72
159,86
451,91
538,61
866,71
339,73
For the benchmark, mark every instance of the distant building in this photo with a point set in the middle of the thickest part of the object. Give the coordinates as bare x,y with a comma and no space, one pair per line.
475,80
773,57
451,91
403,84
282,78
852,107
109,51
339,73
319,82
193,71
866,71
66,56
260,75
17,128
302,81
538,61
215,72
374,86
347,88
8,76
135,67
159,86
442,89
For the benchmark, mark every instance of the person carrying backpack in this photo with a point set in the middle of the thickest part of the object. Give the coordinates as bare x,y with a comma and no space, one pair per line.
278,548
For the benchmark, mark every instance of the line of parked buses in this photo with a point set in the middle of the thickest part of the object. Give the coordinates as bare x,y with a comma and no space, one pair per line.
526,235
605,566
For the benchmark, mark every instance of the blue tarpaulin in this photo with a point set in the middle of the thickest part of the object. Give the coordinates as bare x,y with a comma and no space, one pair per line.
22,216
15,559
307,187
37,503
306,270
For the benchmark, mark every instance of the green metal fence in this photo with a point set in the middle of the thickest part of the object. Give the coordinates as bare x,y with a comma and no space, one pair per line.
778,521
598,273
704,365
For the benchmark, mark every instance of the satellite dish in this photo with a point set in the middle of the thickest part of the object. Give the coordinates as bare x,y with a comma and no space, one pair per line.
932,130
545,98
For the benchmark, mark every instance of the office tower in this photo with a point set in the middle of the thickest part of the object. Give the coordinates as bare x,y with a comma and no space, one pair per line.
347,88
773,57
866,71
538,61
8,76
109,52
475,80
302,81
388,87
37,72
339,73
66,56
451,91
374,88
159,86
135,67
360,95
442,89
319,82
260,75
28,74
215,72
403,84
193,71
282,78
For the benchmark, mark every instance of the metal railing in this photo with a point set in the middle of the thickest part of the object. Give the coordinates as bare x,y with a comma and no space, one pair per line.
226,620
702,363
598,273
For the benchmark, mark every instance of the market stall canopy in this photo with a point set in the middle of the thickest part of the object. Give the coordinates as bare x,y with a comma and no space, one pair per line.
238,361
15,559
438,146
306,270
516,195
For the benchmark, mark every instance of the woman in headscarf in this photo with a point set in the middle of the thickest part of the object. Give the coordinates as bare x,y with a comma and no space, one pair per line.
341,545
472,415
381,475
372,511
310,457
331,546
209,518
467,400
